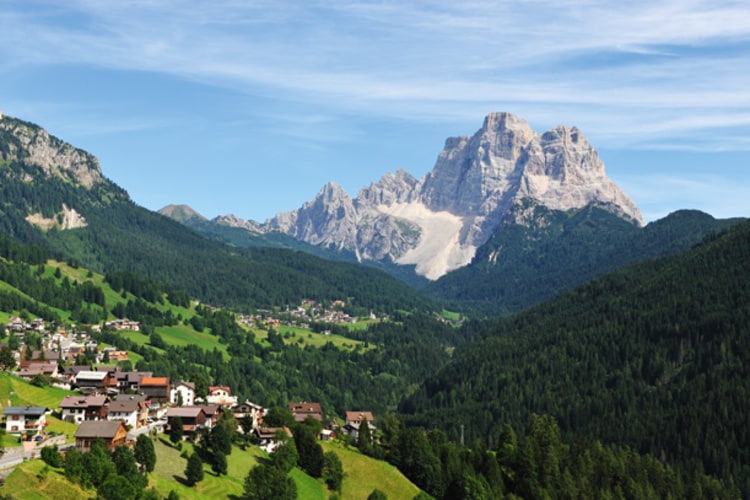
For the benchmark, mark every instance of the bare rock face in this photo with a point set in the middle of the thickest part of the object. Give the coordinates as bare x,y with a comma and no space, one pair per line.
34,146
439,221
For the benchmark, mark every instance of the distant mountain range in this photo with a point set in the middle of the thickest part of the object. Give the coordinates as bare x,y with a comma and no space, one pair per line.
437,223
507,218
56,196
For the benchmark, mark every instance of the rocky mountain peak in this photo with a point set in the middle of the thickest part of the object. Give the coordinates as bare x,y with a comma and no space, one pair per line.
439,221
32,145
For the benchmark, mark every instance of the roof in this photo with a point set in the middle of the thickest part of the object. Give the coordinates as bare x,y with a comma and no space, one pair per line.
185,411
90,375
126,405
98,429
159,381
189,385
28,411
82,401
359,415
304,408
215,388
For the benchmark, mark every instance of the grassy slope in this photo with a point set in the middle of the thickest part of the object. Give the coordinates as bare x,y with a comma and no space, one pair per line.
28,482
363,474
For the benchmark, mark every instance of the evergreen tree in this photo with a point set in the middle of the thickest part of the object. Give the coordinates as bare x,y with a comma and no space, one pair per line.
333,471
194,470
285,456
267,482
219,463
51,456
176,430
310,452
145,453
364,439
117,487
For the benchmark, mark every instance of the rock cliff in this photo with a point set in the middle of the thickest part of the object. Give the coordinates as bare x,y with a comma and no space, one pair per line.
439,221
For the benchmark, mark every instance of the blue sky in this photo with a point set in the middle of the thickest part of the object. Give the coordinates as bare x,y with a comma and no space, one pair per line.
249,107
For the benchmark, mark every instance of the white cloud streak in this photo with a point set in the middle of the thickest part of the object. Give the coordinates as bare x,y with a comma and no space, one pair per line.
634,72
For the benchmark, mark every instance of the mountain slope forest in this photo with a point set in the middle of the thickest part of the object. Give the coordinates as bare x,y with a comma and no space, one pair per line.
655,356
272,371
121,236
548,252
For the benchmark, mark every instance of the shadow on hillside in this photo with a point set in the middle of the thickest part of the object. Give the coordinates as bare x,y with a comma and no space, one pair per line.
180,480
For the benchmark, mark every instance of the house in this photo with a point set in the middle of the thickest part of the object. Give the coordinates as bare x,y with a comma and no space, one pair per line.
29,369
193,418
269,437
130,411
213,413
302,410
112,433
183,392
354,419
29,420
248,408
90,381
80,408
155,388
46,355
221,395
129,381
114,355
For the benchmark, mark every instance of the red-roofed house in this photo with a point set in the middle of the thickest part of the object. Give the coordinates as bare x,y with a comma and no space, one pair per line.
155,388
302,410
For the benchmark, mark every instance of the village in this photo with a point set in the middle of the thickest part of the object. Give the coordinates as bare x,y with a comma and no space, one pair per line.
115,405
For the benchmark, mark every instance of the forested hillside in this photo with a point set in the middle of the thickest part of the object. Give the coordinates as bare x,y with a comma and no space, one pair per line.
552,251
656,356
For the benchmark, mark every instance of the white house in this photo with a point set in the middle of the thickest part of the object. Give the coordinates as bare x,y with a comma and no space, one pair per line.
25,419
184,390
221,395
131,412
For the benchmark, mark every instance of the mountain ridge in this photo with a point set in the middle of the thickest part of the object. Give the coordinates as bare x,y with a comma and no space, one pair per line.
438,222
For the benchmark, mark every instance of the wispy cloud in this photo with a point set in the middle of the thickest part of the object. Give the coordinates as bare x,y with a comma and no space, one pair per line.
634,70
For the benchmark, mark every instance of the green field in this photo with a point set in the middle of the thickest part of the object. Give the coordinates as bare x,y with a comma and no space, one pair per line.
16,392
29,481
304,337
363,474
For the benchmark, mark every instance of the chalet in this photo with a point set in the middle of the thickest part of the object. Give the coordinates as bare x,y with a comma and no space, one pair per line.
46,355
221,395
81,408
193,418
130,381
270,437
29,420
130,411
89,382
155,388
249,409
182,392
213,413
71,372
28,369
112,433
114,355
302,410
354,419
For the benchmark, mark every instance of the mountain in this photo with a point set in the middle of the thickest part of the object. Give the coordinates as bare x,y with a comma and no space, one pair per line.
438,222
553,251
655,356
56,196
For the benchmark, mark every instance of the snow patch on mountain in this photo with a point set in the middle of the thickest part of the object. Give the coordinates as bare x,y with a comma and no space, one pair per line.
439,249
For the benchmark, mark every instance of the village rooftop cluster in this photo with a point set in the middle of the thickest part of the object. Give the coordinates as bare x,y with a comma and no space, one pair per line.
115,405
